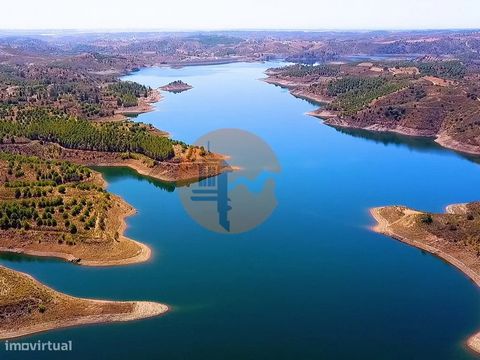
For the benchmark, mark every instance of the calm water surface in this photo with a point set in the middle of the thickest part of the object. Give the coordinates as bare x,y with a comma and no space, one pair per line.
312,282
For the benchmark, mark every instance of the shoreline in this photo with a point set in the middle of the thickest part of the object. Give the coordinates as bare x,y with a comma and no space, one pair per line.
444,141
177,86
201,62
145,105
161,174
330,118
55,310
298,90
142,310
383,227
143,256
139,310
167,171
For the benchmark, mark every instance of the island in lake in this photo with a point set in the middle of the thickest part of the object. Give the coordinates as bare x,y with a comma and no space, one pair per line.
176,86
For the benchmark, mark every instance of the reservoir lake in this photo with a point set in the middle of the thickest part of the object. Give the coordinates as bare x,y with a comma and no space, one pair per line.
312,281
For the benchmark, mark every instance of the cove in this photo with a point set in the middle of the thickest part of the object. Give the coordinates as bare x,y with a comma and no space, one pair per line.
312,282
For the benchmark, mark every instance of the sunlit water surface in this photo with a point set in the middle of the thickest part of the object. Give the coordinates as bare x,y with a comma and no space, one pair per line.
312,282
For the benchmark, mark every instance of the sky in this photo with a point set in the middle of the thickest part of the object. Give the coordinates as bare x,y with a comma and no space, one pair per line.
239,14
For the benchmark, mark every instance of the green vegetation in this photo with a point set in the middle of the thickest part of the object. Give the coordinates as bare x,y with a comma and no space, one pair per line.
176,86
451,69
177,83
353,93
53,126
127,92
445,69
299,70
353,83
426,219
77,92
418,92
44,204
395,112
10,75
47,173
213,40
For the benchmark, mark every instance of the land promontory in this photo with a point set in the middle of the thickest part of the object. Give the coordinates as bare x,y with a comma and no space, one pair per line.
28,307
452,236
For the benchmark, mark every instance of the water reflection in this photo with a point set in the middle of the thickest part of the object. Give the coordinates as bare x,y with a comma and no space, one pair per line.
112,174
20,258
417,143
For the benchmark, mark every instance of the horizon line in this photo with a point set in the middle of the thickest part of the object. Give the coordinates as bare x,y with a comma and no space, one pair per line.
186,30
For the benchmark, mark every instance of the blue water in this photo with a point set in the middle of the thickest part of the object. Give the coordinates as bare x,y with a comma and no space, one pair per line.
312,282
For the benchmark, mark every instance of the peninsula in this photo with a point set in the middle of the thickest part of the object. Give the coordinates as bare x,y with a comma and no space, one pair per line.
58,114
50,134
63,108
28,307
452,236
60,209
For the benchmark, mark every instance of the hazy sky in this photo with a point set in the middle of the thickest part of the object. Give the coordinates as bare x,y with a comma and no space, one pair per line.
239,14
